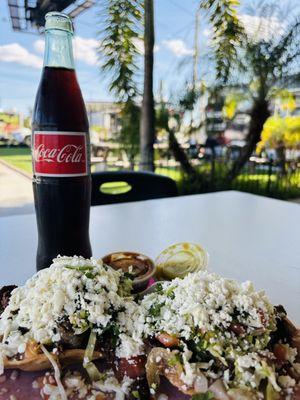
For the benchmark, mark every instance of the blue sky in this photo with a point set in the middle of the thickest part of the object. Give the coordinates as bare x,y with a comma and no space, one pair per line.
21,53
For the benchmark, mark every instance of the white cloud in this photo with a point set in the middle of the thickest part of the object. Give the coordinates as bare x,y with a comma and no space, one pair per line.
84,49
16,53
207,32
178,47
262,27
139,44
39,46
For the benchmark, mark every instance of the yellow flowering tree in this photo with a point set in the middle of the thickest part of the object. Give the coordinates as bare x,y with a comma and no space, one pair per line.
280,130
280,134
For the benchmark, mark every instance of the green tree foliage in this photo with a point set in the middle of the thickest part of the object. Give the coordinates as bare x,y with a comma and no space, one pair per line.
121,22
129,133
285,100
258,62
227,31
263,62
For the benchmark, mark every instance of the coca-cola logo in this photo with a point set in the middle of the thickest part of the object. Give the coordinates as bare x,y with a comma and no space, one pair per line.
68,154
59,154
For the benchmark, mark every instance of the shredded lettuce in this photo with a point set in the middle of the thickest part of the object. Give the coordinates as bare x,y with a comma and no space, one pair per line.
91,369
203,396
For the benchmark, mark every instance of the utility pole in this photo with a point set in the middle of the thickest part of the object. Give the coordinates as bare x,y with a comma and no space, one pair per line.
196,48
195,57
160,93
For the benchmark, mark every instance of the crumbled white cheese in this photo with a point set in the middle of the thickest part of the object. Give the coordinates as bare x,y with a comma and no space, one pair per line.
14,375
131,324
206,301
85,292
286,381
162,397
111,385
189,373
35,385
297,367
291,353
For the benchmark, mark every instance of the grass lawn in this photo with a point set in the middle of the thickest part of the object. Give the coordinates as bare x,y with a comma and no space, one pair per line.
254,183
17,157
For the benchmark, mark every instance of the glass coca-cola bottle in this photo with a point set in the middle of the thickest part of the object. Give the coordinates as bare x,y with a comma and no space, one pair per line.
60,151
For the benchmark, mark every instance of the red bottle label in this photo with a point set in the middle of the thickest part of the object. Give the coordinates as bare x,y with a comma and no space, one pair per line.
59,153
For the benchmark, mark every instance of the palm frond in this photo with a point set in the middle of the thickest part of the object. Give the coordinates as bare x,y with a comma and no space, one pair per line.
286,50
227,31
121,22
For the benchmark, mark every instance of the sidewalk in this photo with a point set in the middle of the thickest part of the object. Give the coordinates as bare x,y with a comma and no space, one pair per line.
16,195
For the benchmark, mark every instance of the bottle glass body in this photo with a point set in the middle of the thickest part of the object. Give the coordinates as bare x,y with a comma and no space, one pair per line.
60,149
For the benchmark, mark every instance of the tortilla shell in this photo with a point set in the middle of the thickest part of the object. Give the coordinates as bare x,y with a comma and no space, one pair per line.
40,362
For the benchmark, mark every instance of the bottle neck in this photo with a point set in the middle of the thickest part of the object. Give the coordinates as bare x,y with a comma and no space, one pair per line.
59,50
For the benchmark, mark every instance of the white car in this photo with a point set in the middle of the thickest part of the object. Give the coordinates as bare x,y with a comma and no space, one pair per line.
21,136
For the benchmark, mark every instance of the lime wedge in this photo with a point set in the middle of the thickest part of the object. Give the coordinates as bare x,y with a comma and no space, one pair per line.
180,259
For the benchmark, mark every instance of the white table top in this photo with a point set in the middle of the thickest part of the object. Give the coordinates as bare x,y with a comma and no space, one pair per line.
248,238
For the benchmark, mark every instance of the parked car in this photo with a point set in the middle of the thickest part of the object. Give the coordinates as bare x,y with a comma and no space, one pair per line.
21,136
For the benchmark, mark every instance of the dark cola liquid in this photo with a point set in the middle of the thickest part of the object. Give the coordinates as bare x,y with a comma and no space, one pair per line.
62,204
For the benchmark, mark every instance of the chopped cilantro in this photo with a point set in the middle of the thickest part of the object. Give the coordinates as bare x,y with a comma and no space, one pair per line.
111,332
158,287
154,310
90,275
128,275
175,359
170,292
83,268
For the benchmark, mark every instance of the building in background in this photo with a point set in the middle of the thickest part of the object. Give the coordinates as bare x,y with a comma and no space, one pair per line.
29,15
104,118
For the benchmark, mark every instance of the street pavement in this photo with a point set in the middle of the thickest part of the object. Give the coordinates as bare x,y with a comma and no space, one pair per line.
16,195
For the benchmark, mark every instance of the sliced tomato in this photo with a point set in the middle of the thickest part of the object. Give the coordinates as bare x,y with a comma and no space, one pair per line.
280,352
262,317
133,367
167,340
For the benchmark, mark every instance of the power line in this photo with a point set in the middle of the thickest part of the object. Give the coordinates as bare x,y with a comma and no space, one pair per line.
179,6
182,29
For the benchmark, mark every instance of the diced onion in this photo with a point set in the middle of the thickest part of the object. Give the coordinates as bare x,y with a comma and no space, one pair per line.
54,364
219,391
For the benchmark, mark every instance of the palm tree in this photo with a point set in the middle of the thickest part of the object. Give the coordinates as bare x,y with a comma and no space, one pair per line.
120,31
120,35
261,64
121,28
253,62
147,129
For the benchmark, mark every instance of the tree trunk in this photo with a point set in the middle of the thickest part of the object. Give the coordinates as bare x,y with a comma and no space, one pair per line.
258,116
281,155
147,126
180,156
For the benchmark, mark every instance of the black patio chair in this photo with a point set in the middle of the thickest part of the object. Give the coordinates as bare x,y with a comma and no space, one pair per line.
112,187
